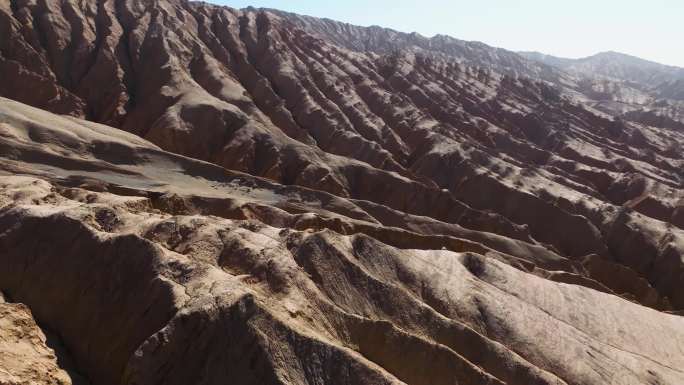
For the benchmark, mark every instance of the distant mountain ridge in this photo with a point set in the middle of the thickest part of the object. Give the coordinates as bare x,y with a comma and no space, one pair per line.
616,66
384,40
616,83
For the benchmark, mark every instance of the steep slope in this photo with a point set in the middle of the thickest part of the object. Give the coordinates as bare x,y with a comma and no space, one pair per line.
385,41
286,193
254,91
156,268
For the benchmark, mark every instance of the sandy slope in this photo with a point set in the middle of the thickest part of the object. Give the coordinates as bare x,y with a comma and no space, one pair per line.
24,356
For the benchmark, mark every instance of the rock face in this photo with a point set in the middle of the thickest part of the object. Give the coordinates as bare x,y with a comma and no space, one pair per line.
282,199
24,356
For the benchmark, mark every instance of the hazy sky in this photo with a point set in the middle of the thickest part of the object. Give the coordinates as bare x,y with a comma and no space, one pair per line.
651,29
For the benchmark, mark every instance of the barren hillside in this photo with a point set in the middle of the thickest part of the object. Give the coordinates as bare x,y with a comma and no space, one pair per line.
260,197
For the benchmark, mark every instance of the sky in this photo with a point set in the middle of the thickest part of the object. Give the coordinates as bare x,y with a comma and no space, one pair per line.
650,29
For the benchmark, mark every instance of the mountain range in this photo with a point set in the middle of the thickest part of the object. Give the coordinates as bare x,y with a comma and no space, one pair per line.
196,194
641,90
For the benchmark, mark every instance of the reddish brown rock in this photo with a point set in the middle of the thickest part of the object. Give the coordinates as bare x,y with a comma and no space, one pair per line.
152,267
297,200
